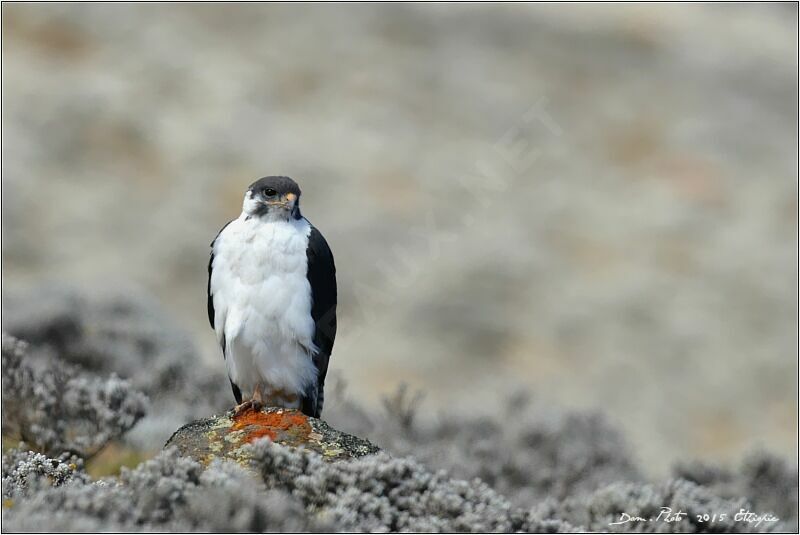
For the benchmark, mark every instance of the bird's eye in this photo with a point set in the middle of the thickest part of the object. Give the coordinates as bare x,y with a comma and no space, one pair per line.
269,192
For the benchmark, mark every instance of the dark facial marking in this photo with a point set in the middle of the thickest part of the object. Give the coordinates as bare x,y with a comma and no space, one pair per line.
270,186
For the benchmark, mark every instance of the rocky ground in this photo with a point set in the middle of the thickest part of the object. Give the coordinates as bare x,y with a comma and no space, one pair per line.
527,466
573,228
226,437
596,203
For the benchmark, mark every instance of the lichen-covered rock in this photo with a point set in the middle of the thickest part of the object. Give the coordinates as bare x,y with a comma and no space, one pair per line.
225,437
289,486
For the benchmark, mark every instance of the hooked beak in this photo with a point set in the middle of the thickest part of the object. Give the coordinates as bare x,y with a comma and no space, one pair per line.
287,201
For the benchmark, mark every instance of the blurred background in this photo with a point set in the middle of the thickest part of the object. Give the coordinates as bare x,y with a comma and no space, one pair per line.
594,202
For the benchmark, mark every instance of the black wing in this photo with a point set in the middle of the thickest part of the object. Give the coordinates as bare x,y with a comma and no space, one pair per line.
237,394
208,291
322,277
210,297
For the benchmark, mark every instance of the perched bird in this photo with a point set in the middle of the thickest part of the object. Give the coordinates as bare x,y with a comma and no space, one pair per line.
272,300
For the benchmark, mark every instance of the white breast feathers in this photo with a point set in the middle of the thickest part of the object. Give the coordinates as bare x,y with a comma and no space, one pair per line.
262,303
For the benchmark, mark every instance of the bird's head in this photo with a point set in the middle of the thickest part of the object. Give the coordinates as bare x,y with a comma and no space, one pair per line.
275,198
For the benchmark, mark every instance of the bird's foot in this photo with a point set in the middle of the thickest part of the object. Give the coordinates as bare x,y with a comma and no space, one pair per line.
254,404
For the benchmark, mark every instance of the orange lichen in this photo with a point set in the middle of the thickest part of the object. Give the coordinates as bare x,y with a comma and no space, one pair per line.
257,424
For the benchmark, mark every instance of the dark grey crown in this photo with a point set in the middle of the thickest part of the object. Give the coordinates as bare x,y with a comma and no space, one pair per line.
281,184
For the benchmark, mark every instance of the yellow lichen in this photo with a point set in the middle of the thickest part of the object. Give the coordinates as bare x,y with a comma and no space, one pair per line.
329,450
234,437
